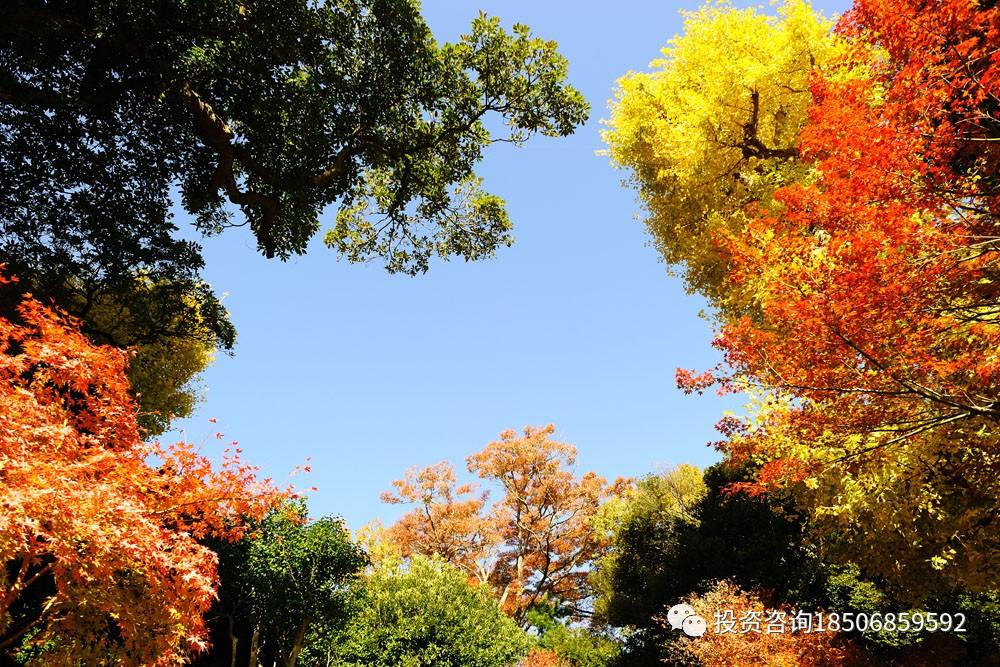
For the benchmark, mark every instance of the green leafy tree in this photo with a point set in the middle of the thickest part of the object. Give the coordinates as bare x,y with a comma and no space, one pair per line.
280,109
290,576
425,614
580,647
677,535
646,525
259,113
573,645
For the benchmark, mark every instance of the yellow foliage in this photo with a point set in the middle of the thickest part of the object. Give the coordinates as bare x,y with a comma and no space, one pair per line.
382,551
165,373
714,127
915,510
164,376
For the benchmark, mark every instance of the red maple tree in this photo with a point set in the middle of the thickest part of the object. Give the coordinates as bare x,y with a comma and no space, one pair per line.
100,557
876,316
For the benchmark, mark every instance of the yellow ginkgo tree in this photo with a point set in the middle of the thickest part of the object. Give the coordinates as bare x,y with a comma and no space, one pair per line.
713,128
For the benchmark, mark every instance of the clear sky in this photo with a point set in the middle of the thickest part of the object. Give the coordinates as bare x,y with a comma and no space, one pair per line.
578,324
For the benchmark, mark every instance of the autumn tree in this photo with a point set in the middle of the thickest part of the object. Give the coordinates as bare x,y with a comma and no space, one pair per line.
677,534
542,658
547,514
785,649
451,520
877,292
100,559
714,127
861,300
534,543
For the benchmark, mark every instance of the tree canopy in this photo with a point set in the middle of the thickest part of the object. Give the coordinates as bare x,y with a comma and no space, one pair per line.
857,290
280,109
99,552
680,535
248,113
831,188
422,615
534,544
714,127
287,578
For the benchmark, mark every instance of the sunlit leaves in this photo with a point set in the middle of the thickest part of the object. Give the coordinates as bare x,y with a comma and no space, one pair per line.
862,294
534,543
714,128
734,648
877,291
426,613
98,533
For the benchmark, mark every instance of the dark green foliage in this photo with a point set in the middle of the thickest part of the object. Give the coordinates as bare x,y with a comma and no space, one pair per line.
661,555
88,155
665,555
984,613
277,108
663,552
580,647
576,645
277,584
280,108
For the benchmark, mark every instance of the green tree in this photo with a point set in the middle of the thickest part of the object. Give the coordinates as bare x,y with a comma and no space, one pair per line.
681,532
574,645
580,647
425,614
677,535
280,109
290,576
632,580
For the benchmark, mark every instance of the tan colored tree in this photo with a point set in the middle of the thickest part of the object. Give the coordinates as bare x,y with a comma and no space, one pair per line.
535,544
721,648
451,520
542,658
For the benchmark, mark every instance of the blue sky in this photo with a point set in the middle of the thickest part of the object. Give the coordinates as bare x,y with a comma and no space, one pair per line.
578,324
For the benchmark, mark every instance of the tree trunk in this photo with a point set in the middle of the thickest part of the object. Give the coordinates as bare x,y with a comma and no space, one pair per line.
233,641
300,635
254,648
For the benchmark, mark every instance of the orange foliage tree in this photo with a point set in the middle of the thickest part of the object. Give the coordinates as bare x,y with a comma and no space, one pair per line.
100,561
876,308
734,648
533,545
451,521
542,658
